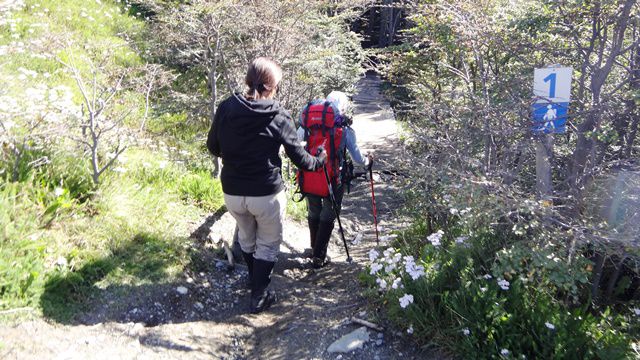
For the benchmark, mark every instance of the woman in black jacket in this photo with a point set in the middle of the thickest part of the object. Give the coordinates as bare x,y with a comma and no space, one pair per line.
247,132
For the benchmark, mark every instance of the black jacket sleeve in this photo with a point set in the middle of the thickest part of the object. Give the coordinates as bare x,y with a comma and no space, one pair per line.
298,155
213,143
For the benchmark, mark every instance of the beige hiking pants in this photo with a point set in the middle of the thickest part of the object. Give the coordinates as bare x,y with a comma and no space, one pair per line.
260,222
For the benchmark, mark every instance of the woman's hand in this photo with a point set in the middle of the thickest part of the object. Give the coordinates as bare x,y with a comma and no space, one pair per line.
322,155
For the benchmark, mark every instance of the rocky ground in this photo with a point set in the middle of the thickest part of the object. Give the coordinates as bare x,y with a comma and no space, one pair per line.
205,316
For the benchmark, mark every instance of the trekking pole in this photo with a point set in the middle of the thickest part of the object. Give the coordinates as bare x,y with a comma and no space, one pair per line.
373,203
334,204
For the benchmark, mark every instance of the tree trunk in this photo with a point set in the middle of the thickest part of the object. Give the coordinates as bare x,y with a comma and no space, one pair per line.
386,23
597,276
614,278
583,156
544,153
213,87
633,111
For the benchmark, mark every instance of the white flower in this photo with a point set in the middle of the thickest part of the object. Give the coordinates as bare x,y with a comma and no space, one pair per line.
636,311
415,271
504,284
62,261
487,276
373,255
466,331
549,325
382,283
504,352
410,330
389,268
58,191
375,268
483,289
163,164
435,238
120,169
397,283
453,211
406,300
461,239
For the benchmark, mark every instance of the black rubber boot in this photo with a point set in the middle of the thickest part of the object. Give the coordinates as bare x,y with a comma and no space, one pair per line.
313,231
248,259
323,236
261,298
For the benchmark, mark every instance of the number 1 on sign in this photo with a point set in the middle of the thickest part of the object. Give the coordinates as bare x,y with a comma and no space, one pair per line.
552,84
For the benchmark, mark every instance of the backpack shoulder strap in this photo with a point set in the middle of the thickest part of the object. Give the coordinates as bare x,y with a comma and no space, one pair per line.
324,117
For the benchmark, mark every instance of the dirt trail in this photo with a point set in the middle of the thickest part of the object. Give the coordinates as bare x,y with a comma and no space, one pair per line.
211,321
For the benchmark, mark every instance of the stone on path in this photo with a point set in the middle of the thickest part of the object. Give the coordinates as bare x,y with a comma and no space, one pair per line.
182,290
351,341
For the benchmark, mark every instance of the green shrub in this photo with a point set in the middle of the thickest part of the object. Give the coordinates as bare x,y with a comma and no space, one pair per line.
202,189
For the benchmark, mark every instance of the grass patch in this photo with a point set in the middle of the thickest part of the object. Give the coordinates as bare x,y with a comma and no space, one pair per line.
297,210
130,231
146,258
202,189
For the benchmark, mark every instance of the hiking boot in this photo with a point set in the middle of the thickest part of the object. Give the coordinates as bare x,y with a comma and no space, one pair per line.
262,302
307,253
320,263
248,259
261,299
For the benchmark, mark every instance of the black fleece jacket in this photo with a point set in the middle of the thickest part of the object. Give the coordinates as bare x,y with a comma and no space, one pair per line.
247,136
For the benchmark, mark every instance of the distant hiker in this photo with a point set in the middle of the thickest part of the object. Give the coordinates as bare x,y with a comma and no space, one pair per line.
327,124
247,132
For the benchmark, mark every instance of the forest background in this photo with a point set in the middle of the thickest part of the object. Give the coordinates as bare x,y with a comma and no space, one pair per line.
105,106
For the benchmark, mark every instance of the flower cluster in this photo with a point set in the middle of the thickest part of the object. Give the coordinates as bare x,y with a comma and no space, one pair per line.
415,271
390,268
435,238
406,300
460,240
504,284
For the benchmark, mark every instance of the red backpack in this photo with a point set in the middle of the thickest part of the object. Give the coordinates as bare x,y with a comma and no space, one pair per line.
321,129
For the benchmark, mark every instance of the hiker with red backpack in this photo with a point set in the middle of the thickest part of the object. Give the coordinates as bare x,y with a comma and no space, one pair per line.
325,125
247,132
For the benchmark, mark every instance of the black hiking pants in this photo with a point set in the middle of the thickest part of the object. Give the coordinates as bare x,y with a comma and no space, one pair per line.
321,218
320,208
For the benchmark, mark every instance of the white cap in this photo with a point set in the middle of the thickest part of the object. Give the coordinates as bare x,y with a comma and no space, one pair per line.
340,99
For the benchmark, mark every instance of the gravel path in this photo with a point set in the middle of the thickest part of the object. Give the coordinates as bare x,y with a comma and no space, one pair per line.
205,315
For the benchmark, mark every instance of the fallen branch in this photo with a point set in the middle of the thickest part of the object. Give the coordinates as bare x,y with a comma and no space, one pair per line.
366,323
229,253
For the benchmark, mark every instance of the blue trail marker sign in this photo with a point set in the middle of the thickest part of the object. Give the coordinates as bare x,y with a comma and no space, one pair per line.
552,94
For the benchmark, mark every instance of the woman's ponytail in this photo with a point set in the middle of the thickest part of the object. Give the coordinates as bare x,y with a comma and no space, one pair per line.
263,76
